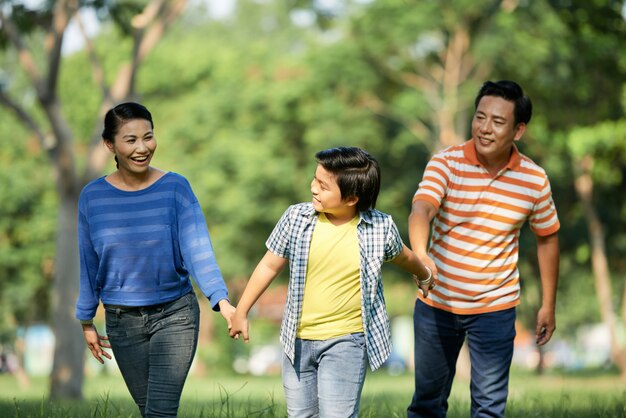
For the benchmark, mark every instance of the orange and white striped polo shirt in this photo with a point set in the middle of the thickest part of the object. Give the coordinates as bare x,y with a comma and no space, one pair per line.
475,234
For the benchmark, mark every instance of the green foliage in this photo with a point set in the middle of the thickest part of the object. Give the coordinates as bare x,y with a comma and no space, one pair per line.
27,228
241,105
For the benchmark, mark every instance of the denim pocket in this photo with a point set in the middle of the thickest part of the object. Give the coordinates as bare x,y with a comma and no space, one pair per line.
184,311
112,321
358,339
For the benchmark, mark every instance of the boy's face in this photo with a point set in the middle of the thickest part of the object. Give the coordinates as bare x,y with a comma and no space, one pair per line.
327,196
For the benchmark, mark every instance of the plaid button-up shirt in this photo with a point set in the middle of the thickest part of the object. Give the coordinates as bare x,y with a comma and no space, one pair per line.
379,241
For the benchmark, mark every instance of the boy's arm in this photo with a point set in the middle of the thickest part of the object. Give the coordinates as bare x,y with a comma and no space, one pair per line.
265,272
407,260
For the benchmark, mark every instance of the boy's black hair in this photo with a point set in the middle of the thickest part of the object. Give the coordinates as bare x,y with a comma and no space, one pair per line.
511,91
357,172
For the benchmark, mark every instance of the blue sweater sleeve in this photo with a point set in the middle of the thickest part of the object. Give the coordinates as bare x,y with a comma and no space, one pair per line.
197,250
89,295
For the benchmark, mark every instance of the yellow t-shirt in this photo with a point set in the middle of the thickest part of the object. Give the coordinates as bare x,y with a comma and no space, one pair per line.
332,293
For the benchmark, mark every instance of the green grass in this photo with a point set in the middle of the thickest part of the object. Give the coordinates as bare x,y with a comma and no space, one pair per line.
551,395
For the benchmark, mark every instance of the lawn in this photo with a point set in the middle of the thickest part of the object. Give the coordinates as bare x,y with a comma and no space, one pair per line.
551,395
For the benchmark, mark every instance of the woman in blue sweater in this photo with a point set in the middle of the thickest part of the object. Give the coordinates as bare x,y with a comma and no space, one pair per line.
142,234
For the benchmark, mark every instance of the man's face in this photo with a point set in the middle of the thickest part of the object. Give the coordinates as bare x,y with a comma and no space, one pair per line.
494,130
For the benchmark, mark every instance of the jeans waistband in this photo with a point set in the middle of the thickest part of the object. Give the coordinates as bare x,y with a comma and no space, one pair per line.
126,308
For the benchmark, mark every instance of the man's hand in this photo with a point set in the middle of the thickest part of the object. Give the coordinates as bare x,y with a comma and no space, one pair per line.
428,262
424,285
546,324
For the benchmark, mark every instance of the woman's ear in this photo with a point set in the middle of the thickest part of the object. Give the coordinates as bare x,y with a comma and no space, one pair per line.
109,145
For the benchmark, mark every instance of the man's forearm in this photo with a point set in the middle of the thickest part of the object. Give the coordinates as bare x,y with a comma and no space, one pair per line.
548,255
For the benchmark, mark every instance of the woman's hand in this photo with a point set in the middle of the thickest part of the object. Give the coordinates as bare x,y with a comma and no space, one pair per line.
227,310
96,342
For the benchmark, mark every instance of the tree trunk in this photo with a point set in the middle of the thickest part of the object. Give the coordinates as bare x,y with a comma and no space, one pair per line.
453,76
584,189
69,355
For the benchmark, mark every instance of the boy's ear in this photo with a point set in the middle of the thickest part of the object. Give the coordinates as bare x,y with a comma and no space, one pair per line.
351,200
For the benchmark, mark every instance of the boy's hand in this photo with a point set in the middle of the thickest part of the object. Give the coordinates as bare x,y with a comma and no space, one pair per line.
95,342
240,327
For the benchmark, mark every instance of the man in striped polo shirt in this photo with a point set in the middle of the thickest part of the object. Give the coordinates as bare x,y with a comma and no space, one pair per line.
477,196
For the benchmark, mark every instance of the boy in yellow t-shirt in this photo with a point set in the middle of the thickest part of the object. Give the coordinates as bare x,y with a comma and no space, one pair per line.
335,320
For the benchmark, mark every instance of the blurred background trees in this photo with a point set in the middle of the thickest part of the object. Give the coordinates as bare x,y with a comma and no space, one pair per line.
243,99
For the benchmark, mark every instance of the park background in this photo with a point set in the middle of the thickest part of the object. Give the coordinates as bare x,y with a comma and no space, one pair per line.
243,93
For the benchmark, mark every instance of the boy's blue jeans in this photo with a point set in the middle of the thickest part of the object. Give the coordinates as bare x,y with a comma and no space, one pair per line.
439,336
154,347
326,378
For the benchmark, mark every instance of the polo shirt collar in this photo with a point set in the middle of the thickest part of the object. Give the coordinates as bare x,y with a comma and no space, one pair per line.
469,151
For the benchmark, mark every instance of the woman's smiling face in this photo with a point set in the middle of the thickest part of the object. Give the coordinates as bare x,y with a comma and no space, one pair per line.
134,145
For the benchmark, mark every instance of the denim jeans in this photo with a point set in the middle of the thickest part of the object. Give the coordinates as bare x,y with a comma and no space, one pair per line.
154,347
439,336
326,378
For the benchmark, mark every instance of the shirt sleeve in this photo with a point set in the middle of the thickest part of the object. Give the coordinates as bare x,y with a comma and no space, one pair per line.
393,242
434,185
544,219
89,291
197,250
278,241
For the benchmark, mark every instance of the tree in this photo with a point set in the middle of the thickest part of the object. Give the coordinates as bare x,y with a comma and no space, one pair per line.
579,82
22,29
599,154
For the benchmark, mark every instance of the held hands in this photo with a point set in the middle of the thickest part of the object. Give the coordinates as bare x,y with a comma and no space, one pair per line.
240,326
96,342
236,320
427,283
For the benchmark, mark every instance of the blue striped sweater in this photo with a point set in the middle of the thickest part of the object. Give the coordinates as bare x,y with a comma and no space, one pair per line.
139,248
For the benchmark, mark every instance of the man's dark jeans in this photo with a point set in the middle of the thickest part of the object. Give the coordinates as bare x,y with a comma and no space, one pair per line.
439,336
